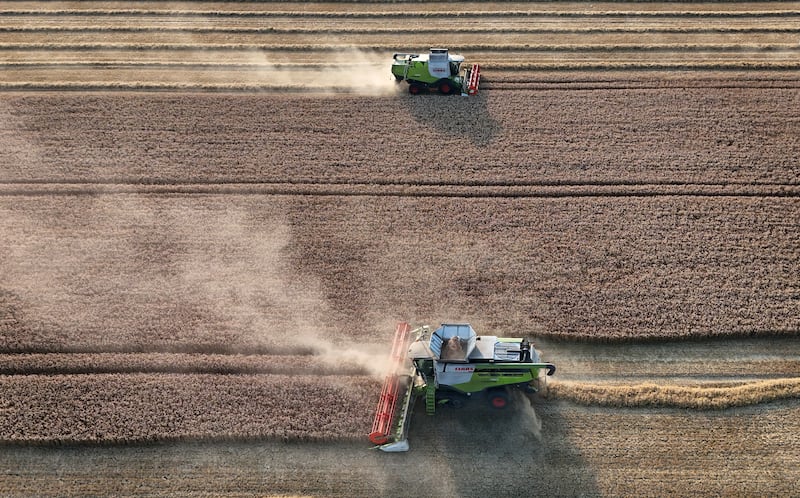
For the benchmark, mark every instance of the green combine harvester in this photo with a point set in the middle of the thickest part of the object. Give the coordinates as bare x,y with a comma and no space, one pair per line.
437,70
448,367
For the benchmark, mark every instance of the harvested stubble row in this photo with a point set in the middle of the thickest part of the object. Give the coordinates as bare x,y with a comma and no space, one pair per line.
115,408
583,450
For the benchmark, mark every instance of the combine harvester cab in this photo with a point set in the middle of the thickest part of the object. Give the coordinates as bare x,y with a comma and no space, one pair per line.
437,70
448,367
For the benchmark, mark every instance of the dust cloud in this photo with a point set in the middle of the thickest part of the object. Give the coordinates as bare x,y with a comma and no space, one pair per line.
128,273
320,70
529,421
258,280
349,70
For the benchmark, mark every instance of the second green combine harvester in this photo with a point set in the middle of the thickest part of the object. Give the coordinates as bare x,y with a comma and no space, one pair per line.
437,70
448,367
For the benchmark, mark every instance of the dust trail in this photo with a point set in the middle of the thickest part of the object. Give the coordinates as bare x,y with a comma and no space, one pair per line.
260,276
675,396
124,273
529,420
349,70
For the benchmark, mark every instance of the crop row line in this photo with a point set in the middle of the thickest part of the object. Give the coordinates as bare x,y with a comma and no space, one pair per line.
705,29
423,2
216,351
788,48
421,182
627,14
183,65
407,190
643,65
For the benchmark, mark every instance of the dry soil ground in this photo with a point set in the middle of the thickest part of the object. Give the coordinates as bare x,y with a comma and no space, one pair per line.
208,226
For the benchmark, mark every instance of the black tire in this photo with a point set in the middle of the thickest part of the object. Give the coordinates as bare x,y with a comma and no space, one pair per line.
498,398
446,87
456,400
414,89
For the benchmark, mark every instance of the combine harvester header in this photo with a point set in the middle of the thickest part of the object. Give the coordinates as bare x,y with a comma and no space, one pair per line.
437,70
448,367
388,429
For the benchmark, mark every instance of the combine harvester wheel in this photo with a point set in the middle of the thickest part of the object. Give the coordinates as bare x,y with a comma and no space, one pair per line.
498,398
445,88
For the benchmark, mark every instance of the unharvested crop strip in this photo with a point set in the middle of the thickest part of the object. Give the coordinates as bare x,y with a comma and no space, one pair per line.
734,65
649,395
663,370
183,65
185,349
187,363
141,407
586,82
623,85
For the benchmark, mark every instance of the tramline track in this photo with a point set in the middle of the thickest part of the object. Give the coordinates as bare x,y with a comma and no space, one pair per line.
399,189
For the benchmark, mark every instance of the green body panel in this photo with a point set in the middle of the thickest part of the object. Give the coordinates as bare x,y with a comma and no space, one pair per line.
418,72
490,375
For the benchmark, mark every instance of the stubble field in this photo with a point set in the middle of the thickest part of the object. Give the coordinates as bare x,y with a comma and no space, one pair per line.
212,214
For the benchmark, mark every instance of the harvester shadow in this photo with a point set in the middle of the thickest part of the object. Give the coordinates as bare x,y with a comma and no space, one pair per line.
467,117
475,450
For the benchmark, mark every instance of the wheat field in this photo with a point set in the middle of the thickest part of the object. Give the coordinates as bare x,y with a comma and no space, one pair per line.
213,213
